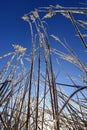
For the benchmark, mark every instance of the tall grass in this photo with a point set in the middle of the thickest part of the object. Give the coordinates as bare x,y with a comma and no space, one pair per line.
33,98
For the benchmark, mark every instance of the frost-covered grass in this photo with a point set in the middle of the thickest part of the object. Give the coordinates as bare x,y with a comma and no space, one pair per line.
32,96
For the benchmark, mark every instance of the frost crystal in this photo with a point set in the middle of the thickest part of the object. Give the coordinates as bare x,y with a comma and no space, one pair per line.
20,49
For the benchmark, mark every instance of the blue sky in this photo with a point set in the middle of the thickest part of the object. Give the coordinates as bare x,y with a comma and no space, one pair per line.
13,30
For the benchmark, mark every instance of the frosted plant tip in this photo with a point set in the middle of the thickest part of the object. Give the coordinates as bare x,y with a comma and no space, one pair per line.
19,48
25,18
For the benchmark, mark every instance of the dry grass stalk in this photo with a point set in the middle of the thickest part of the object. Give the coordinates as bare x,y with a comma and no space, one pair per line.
33,99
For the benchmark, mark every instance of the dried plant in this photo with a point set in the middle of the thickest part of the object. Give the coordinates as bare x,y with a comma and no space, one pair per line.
34,98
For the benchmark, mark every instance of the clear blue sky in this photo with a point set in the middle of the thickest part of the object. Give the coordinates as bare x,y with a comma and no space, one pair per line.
13,29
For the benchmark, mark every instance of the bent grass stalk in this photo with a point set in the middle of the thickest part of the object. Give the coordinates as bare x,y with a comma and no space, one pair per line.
34,99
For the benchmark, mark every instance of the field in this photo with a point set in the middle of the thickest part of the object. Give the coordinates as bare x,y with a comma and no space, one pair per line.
37,91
